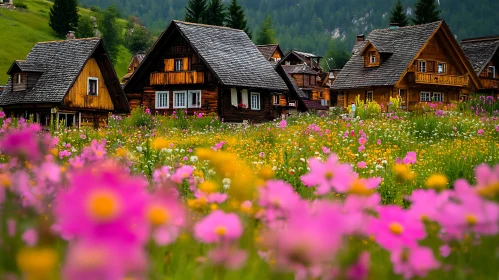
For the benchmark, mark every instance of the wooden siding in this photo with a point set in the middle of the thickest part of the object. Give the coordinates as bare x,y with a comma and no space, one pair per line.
77,96
177,78
232,114
209,100
367,56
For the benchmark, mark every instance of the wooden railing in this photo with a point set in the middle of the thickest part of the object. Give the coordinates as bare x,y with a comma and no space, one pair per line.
489,83
441,79
177,78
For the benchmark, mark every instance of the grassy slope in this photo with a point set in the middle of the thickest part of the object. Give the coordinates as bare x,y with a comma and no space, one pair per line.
21,30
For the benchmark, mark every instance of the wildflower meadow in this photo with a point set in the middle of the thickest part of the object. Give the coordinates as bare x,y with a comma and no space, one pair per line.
314,196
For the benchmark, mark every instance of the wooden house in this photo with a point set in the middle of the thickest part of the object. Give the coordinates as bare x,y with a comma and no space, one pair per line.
272,52
298,58
134,64
208,69
421,63
71,81
483,53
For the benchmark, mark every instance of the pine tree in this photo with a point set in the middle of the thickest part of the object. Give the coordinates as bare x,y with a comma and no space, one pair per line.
215,13
111,31
85,28
266,35
398,15
426,11
195,11
236,18
64,17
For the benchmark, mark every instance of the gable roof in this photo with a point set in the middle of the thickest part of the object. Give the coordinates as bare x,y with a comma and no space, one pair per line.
268,50
60,63
228,53
405,42
139,57
401,46
299,69
480,51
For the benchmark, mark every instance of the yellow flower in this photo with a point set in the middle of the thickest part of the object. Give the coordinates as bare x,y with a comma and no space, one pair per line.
404,173
159,143
208,187
437,181
37,263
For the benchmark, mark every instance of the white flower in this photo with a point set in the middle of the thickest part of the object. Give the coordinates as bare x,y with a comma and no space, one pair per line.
139,148
169,151
302,159
194,158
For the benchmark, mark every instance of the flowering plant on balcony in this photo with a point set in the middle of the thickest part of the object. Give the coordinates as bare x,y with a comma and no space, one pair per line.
242,106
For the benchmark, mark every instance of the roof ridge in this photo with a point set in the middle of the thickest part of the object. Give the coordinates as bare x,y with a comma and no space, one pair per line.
481,39
81,39
408,26
206,25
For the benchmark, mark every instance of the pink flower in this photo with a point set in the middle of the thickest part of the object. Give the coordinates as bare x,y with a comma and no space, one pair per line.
361,148
64,153
445,250
182,173
362,140
361,164
218,227
103,203
30,237
227,257
327,175
379,142
410,158
283,124
480,132
360,269
421,199
2,114
326,150
413,262
219,146
396,228
166,215
23,143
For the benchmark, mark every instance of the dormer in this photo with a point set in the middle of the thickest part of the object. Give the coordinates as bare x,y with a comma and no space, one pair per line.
372,57
23,75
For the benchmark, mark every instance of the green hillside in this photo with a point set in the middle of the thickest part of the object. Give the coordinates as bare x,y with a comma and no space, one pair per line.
20,30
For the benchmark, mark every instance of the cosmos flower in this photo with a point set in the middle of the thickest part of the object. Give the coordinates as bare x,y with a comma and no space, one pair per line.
327,175
218,227
413,262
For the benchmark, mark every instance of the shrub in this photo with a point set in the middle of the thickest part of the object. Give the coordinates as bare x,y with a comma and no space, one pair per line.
21,5
140,118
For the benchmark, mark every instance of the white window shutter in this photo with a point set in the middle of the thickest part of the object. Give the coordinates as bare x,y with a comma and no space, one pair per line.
244,95
233,97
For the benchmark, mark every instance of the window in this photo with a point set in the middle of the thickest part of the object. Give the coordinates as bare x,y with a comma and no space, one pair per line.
425,96
194,99
492,72
19,78
179,99
233,97
442,67
369,96
255,101
306,82
178,65
313,80
275,99
422,66
437,97
372,57
162,99
92,88
67,118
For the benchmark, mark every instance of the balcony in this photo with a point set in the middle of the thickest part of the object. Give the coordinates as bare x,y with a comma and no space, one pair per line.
177,78
489,83
441,79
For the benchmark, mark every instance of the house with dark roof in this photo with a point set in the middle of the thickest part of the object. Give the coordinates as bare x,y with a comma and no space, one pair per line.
271,52
133,65
295,57
208,69
71,81
421,63
483,53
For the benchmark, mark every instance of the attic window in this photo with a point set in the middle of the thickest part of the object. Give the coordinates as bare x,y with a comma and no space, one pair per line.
92,86
372,57
442,67
19,78
178,65
422,66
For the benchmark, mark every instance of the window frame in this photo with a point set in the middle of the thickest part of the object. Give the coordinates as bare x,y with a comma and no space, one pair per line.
19,78
275,100
372,58
421,68
96,80
252,104
441,94
181,62
189,98
427,97
372,95
175,106
493,71
157,100
444,67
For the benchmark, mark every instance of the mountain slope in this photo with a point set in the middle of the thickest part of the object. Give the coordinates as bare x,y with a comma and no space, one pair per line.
308,25
22,29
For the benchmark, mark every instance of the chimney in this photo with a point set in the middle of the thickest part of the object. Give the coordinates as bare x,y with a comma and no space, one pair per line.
70,35
360,38
394,25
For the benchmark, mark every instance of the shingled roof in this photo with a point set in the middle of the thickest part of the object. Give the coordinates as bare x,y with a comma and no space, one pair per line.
60,63
400,45
268,50
229,53
299,69
480,51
